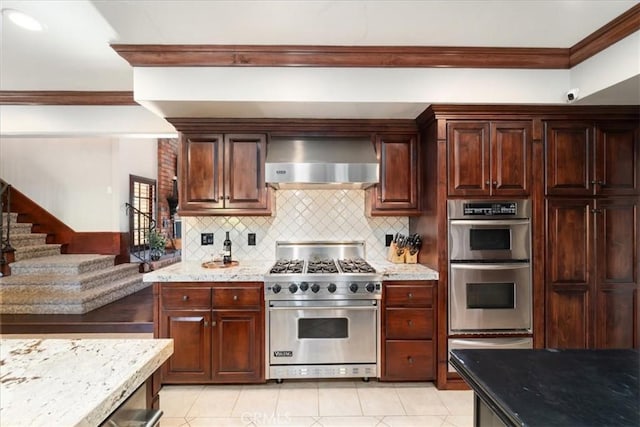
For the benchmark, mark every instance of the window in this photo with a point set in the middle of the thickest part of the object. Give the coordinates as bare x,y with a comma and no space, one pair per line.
142,193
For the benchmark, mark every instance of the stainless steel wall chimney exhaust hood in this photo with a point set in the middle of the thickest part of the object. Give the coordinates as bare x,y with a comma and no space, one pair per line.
327,162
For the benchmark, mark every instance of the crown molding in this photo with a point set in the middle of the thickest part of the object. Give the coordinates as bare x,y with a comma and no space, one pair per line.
59,97
341,56
619,28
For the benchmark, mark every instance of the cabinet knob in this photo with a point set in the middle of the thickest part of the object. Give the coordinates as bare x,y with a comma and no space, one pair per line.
410,360
185,297
410,322
206,323
213,323
227,197
235,297
487,182
410,295
495,183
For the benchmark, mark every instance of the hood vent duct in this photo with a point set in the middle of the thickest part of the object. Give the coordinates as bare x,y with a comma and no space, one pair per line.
321,162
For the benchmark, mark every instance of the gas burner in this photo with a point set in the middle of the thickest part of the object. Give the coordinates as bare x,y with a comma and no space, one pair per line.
355,265
285,266
326,265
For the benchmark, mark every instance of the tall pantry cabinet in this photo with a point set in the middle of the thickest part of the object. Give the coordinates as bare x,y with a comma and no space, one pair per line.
592,189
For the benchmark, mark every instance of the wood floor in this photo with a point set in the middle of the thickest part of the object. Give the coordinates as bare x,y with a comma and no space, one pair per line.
133,314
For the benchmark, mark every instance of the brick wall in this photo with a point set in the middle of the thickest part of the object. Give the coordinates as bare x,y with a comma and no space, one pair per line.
167,169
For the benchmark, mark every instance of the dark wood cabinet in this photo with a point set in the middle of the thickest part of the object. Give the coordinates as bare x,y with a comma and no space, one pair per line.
223,175
489,158
592,158
397,191
592,273
408,325
218,332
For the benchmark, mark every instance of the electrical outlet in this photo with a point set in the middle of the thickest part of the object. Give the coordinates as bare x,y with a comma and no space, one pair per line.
206,239
251,239
388,238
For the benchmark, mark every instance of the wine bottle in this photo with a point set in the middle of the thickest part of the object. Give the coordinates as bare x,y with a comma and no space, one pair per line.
226,247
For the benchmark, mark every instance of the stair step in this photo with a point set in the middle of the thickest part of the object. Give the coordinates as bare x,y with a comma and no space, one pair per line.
24,240
67,282
34,252
13,215
17,228
63,264
47,300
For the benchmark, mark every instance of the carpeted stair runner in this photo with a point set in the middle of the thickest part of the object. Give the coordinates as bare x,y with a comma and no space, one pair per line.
43,281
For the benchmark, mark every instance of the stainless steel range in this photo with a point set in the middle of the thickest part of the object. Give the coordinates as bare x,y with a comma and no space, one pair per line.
322,312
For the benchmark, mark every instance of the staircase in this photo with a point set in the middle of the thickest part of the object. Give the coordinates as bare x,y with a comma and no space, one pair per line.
44,281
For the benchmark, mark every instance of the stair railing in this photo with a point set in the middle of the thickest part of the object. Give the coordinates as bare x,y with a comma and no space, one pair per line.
5,212
142,251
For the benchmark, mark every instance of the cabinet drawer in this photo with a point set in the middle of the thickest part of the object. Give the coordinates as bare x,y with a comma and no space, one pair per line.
409,360
236,296
409,295
409,323
185,298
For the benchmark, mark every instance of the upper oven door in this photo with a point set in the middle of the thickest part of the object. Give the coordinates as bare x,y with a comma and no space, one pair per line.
307,332
489,240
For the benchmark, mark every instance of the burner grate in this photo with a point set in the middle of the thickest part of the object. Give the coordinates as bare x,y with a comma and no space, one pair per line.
326,265
355,265
286,266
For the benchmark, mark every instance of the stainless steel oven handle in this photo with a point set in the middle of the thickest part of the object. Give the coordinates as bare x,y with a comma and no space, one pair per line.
375,307
490,221
482,266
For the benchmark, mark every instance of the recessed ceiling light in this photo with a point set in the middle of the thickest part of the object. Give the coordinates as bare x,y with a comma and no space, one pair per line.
23,20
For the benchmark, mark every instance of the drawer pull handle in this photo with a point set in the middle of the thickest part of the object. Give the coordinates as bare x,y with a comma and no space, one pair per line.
410,360
235,297
185,297
410,295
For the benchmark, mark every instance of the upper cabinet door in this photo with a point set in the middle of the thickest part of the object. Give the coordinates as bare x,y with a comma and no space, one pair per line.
396,193
569,158
468,159
617,169
244,160
511,144
201,172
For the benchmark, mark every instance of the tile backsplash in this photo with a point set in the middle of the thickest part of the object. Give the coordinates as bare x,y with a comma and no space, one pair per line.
299,215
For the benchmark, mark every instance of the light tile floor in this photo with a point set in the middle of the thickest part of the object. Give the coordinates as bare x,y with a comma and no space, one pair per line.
321,403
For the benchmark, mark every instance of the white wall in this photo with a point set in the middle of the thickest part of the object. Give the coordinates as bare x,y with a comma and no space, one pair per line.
79,180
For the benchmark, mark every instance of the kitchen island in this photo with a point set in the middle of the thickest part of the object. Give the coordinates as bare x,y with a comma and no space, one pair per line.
552,387
73,382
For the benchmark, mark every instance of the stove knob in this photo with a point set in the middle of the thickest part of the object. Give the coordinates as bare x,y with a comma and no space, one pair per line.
315,288
276,289
293,288
332,287
370,287
304,286
353,287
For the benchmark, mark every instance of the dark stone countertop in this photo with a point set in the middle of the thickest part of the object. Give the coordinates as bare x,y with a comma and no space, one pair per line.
555,387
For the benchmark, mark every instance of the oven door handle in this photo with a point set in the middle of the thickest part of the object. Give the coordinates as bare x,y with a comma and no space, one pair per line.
483,266
490,222
372,308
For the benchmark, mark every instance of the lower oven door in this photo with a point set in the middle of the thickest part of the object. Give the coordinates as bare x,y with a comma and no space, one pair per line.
323,332
485,298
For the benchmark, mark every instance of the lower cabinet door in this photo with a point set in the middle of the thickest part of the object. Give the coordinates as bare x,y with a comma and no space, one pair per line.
238,346
409,360
191,334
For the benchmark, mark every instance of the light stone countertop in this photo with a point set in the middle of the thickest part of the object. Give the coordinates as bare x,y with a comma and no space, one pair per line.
254,271
73,382
192,271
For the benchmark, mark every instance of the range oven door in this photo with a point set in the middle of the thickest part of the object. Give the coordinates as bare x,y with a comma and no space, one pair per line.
482,240
323,332
486,298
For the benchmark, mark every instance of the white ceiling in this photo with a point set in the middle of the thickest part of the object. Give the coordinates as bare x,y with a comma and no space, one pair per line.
73,53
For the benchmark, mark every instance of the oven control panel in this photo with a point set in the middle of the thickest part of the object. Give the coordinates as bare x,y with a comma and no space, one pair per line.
319,290
490,209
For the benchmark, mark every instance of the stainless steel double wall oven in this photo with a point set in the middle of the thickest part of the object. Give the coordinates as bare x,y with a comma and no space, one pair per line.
490,290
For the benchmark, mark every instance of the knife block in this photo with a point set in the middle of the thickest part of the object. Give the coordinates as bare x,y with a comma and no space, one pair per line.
411,259
394,256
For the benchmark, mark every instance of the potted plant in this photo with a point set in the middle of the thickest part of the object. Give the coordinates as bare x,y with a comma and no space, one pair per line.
157,243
